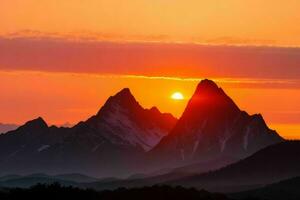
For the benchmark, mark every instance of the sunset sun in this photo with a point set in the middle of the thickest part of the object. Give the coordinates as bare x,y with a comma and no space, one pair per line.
177,96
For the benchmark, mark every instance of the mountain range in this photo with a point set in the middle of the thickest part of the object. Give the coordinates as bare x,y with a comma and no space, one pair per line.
123,138
109,143
267,166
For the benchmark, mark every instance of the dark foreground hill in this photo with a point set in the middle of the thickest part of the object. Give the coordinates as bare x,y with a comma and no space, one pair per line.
271,164
283,190
55,191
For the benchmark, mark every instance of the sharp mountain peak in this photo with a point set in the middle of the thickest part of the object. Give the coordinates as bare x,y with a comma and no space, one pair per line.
208,98
207,83
36,123
124,92
208,88
123,95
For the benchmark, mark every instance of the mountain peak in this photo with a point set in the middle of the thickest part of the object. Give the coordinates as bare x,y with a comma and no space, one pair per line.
208,97
212,126
38,123
208,86
124,92
124,95
207,82
123,98
122,120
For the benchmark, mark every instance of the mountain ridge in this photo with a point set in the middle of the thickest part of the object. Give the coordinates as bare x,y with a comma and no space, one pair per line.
211,127
108,143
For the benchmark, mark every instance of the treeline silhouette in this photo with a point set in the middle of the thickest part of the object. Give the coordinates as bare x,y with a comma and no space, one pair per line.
56,191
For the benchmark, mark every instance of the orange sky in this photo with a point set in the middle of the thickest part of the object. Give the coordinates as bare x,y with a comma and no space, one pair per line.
215,21
69,97
55,56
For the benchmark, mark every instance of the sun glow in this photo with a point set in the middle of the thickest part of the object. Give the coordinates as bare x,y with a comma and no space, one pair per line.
177,96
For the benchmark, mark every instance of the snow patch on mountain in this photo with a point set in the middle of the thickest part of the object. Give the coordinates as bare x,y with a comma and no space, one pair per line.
182,154
246,136
195,147
96,147
223,143
118,122
43,147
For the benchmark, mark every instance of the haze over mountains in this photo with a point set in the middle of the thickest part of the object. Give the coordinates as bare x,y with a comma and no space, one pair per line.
274,163
7,127
124,139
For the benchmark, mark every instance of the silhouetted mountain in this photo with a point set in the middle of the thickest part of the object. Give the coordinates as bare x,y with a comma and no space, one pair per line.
112,142
24,145
123,138
213,127
123,121
283,190
7,127
269,165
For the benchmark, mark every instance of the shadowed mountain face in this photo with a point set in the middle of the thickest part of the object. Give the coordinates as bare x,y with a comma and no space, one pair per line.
109,143
271,164
123,121
213,127
286,189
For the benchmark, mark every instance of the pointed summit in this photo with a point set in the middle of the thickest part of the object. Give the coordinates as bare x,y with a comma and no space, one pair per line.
209,100
212,126
36,123
122,120
123,98
125,92
209,89
207,84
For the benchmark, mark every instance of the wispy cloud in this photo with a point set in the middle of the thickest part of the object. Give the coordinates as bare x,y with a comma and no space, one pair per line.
87,36
229,82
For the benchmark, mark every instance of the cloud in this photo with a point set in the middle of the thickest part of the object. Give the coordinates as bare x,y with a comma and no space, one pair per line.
240,41
150,59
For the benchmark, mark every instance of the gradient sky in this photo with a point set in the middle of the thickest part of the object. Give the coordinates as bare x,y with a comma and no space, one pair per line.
215,21
62,59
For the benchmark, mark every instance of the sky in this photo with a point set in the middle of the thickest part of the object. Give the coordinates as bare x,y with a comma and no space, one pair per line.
62,59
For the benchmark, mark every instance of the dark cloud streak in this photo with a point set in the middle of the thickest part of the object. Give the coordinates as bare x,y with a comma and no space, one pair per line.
186,60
